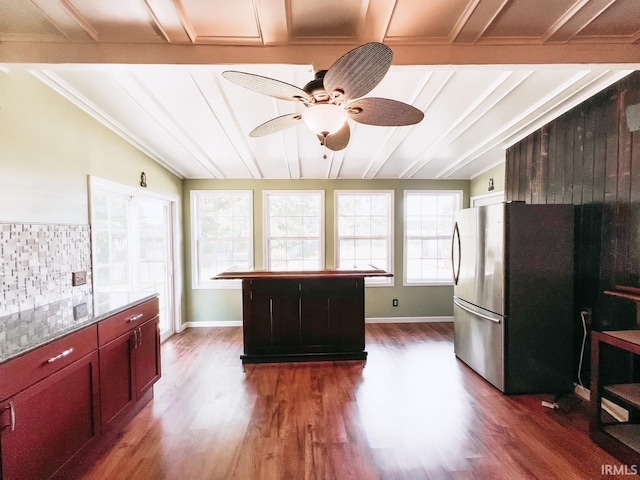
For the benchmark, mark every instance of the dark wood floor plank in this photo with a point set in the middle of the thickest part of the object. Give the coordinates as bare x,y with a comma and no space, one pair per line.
413,411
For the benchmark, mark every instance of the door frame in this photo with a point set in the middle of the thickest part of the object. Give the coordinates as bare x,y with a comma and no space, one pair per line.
175,238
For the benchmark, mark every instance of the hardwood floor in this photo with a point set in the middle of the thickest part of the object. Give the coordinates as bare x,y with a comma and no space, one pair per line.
413,412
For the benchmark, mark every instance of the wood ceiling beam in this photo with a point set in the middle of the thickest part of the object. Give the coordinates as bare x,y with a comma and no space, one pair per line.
168,20
149,54
67,20
376,20
577,19
272,19
478,16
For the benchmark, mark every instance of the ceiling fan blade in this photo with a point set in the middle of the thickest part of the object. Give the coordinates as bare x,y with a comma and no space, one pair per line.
357,72
384,112
339,140
267,86
277,124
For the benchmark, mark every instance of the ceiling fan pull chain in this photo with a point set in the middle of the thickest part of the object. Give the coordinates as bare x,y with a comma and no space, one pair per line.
323,142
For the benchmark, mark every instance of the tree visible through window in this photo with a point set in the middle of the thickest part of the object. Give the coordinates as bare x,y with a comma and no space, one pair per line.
428,217
294,230
223,234
365,231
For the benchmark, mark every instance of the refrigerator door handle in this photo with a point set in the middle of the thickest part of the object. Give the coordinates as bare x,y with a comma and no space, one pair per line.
456,271
473,312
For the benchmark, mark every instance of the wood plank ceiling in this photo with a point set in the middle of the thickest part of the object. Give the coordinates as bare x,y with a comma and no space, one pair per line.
486,73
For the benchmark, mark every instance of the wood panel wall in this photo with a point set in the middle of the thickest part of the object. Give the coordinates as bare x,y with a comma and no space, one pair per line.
589,158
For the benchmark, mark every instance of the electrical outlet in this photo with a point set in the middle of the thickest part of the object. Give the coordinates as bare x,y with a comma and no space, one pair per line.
80,311
78,278
395,302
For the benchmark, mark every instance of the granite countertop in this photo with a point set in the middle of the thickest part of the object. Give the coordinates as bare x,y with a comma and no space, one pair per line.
24,331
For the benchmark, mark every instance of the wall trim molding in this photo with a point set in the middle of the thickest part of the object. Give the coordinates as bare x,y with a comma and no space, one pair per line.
216,323
408,319
238,323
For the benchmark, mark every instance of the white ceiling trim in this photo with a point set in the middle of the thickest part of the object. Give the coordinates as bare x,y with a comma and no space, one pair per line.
421,101
220,108
469,117
539,115
147,101
516,128
63,88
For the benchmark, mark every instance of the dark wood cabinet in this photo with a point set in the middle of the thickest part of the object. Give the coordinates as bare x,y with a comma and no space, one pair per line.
301,319
615,378
48,424
620,437
295,316
129,366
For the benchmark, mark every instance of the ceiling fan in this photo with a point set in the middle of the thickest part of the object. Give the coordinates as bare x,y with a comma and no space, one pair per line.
335,95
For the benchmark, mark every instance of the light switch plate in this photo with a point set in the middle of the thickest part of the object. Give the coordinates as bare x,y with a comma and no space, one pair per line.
78,278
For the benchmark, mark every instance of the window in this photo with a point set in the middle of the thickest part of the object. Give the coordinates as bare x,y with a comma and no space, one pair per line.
294,230
222,225
428,227
364,231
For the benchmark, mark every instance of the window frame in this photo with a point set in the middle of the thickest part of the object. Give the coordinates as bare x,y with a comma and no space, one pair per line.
377,281
266,224
202,284
431,282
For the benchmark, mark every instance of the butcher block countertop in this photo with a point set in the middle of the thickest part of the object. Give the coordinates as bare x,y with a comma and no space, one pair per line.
267,274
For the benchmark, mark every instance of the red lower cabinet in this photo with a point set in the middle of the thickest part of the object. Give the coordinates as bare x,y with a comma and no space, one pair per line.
147,357
129,366
47,424
116,380
58,401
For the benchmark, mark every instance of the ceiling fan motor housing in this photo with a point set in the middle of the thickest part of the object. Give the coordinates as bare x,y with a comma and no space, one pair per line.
315,88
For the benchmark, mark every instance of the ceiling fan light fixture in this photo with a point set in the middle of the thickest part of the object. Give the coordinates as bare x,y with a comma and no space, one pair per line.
324,119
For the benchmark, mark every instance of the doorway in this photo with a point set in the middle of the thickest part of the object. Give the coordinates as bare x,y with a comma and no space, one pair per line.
133,242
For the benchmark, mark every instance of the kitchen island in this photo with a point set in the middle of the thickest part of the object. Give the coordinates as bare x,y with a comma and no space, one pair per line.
303,316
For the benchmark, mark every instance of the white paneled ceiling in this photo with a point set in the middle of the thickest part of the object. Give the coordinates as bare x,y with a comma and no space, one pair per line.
484,72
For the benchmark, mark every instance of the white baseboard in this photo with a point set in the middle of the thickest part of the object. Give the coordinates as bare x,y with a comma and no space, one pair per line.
408,319
616,411
238,323
231,323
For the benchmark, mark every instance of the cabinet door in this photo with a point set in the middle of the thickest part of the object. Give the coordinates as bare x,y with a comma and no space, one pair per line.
346,317
116,379
147,356
271,321
44,426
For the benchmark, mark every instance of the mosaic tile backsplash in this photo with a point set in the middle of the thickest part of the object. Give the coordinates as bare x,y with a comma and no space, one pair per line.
36,262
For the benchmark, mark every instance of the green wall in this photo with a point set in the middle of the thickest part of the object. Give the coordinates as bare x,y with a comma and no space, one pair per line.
225,304
48,146
480,184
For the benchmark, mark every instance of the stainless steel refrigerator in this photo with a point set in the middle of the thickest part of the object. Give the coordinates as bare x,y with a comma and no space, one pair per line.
513,295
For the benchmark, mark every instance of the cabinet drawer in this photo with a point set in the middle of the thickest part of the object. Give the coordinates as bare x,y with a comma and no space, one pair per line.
21,372
119,324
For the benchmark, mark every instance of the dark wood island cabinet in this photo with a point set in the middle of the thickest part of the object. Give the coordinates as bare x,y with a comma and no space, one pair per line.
300,316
